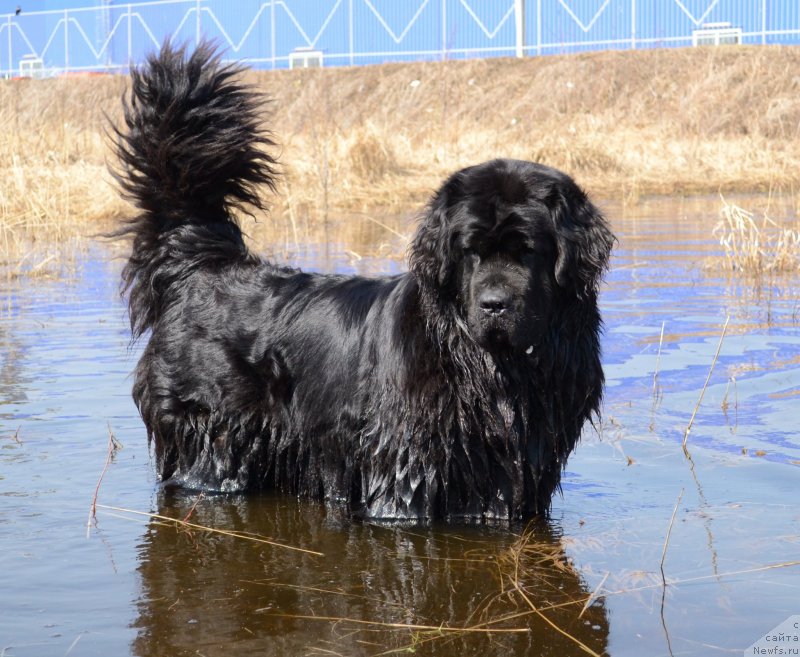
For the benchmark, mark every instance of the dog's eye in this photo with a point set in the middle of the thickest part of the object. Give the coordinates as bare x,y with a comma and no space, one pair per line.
469,252
541,247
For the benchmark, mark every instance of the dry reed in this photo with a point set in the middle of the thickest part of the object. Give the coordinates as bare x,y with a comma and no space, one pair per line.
705,385
177,522
756,247
521,567
666,540
113,446
357,140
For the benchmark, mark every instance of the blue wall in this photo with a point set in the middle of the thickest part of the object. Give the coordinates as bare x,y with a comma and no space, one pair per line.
80,35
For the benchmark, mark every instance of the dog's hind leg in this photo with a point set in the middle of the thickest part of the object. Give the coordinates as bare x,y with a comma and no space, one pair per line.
210,426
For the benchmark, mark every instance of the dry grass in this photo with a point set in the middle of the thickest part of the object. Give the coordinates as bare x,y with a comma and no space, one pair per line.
756,246
381,138
623,123
178,523
56,189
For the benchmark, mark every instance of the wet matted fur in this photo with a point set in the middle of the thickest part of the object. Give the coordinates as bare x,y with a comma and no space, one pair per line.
456,390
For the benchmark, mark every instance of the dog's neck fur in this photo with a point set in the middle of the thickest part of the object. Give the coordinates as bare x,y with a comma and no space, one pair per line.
490,439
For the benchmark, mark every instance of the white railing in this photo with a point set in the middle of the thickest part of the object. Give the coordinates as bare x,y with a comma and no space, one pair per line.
108,36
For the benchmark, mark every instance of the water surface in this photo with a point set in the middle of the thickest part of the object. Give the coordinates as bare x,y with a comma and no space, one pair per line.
140,586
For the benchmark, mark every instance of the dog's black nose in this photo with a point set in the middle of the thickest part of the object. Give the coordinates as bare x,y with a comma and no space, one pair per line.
494,301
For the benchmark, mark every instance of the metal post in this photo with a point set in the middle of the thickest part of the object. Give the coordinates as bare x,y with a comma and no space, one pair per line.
352,60
538,27
66,42
633,24
130,37
444,30
197,25
519,15
272,30
763,22
10,53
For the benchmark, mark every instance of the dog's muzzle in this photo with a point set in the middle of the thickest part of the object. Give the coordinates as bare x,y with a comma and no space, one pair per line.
495,302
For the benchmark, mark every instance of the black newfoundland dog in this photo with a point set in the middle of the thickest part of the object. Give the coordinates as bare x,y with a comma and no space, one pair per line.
454,391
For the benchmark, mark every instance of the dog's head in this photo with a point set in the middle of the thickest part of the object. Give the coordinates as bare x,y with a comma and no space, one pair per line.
506,243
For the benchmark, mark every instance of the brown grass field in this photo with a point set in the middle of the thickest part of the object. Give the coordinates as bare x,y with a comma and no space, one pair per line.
372,143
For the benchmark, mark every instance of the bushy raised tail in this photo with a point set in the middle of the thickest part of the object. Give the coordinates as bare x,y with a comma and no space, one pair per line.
193,150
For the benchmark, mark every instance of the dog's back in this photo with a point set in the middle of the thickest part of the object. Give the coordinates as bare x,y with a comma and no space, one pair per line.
193,151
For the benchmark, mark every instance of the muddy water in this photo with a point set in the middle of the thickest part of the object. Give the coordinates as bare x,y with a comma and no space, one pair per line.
140,586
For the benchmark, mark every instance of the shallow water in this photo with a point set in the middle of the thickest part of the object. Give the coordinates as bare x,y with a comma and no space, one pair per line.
140,586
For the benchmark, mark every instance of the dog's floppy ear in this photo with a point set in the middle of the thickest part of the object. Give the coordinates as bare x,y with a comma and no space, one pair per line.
583,239
431,253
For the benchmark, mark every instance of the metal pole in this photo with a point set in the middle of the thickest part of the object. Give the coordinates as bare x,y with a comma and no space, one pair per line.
352,61
10,53
633,24
66,42
272,29
519,15
538,27
197,24
130,37
444,30
763,22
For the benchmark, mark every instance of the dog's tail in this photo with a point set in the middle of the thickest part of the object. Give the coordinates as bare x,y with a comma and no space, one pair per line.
193,151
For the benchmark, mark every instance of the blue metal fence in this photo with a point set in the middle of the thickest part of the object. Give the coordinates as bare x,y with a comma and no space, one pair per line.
58,36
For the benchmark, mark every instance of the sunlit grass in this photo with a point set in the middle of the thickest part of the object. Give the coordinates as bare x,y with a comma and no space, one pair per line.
370,144
756,245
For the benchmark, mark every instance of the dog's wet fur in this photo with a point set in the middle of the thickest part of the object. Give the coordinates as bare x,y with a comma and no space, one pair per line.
454,391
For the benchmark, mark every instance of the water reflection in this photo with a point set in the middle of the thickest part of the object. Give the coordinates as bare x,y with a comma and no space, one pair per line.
221,595
154,590
12,377
669,265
